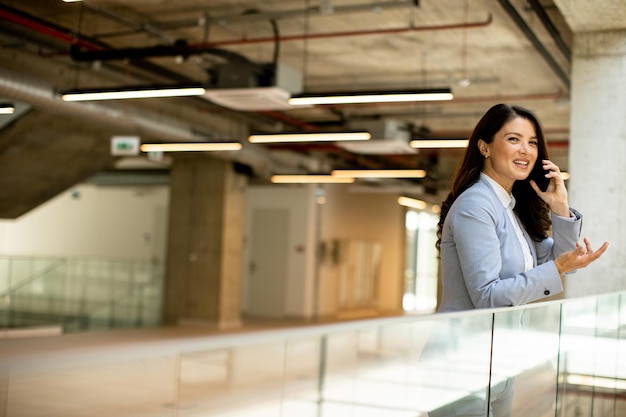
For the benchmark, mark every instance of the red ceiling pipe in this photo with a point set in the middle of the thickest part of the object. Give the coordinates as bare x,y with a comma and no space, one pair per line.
312,36
71,38
47,29
292,121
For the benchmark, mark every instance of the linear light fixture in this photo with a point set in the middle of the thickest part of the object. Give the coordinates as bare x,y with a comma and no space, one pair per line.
6,108
132,92
438,143
412,203
309,137
190,147
379,173
309,179
355,97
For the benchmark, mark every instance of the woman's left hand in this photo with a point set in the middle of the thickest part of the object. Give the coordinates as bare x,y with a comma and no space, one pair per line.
556,193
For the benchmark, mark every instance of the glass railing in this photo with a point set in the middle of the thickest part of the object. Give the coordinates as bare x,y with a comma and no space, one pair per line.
559,358
79,294
18,271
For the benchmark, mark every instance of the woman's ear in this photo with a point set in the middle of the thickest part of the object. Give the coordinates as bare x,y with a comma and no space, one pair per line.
483,148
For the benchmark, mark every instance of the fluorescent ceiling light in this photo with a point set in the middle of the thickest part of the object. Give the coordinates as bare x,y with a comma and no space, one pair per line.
412,203
439,143
129,93
372,97
7,108
377,173
191,147
309,179
309,137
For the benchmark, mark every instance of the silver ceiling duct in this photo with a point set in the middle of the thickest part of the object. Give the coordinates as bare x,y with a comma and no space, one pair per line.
156,126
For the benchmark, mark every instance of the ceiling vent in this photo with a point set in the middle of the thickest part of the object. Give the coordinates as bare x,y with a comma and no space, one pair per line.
389,137
241,88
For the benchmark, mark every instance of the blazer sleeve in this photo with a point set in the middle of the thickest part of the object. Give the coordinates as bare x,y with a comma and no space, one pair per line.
475,225
565,232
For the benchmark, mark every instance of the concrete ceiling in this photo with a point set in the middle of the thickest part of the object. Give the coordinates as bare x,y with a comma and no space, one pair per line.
486,51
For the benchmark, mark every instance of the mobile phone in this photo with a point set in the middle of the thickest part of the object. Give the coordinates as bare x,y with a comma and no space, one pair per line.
539,175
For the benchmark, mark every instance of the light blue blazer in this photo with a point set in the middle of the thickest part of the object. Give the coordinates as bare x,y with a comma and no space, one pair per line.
482,263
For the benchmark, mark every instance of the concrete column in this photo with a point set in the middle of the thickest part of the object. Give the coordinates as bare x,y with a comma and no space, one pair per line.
205,243
598,155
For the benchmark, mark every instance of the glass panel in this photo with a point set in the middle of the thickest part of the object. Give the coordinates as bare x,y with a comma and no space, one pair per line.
411,369
144,387
37,299
15,271
80,294
525,361
592,357
273,379
441,365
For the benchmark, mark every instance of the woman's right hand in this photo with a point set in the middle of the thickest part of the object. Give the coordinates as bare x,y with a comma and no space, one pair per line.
579,257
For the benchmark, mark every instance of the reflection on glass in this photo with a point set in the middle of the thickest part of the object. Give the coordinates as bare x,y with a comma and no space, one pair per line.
407,369
593,357
553,359
524,362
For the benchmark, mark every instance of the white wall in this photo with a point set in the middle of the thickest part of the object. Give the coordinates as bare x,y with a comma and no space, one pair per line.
93,221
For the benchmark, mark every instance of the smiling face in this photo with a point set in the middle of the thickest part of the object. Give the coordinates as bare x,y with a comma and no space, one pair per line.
512,153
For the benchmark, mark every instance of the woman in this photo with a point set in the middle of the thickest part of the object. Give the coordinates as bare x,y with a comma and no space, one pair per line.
497,253
494,252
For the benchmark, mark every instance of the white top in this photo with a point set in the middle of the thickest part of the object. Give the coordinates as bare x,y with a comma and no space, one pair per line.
508,201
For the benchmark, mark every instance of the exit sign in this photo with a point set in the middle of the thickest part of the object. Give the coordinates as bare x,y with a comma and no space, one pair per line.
124,145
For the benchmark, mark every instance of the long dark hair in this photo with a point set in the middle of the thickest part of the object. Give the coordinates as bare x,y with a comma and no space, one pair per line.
532,211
